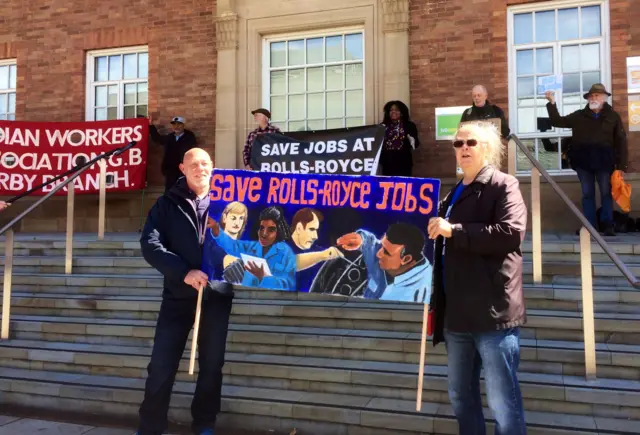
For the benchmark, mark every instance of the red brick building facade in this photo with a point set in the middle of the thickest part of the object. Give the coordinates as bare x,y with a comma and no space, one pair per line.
213,63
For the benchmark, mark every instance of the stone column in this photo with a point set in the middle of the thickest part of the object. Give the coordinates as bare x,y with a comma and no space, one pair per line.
395,36
226,87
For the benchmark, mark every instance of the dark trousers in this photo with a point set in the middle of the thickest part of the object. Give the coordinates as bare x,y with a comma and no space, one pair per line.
498,353
588,181
174,324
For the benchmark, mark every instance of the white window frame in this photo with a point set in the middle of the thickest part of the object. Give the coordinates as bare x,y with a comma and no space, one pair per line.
266,67
605,62
9,63
91,83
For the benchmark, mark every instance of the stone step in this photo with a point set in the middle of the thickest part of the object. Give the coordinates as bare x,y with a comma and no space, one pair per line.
260,408
542,392
538,355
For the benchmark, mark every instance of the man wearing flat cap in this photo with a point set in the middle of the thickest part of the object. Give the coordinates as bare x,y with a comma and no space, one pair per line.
262,117
175,145
598,147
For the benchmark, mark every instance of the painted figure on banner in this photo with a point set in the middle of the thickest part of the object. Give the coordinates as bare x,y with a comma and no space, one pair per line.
354,236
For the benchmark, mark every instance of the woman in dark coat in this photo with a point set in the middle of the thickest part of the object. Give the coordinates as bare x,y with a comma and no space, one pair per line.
478,301
400,139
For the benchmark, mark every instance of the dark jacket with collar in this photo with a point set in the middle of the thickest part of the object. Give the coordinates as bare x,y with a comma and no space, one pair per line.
487,111
597,143
480,288
174,151
172,242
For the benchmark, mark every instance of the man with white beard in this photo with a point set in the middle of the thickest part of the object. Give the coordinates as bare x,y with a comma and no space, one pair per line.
598,147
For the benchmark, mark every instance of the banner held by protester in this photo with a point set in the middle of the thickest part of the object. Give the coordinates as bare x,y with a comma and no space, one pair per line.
32,153
349,151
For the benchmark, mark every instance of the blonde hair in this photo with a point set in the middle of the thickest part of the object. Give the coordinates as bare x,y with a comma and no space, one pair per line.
487,133
235,207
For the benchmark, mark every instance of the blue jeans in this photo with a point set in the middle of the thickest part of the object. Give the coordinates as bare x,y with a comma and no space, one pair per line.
498,352
588,183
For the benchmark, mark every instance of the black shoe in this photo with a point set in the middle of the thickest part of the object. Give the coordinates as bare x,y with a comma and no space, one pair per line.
609,232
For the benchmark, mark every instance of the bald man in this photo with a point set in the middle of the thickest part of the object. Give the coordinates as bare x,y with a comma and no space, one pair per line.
483,109
172,242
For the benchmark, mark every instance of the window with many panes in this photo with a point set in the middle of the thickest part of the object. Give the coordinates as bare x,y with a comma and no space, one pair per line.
315,82
117,84
8,73
565,38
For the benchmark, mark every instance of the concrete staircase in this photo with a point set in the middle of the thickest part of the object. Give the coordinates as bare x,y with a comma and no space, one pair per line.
80,344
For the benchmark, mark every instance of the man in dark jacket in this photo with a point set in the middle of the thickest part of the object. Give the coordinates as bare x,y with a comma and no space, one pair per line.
172,242
598,146
482,109
175,145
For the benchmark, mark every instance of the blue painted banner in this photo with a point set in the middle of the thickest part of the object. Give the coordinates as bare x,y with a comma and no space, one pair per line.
357,236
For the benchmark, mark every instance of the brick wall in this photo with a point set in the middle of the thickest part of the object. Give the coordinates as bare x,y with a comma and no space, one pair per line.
455,44
50,40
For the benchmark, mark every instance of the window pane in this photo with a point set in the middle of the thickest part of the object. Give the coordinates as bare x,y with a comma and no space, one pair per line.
143,65
315,79
112,113
525,87
314,50
544,61
296,80
354,103
297,126
590,57
567,24
567,109
101,96
296,52
526,120
335,123
130,93
315,105
571,83
570,58
589,79
11,117
523,28
3,117
335,77
353,47
12,76
354,122
129,112
101,69
12,102
4,77
278,85
335,104
315,125
522,162
112,99
3,103
591,21
548,153
278,54
296,107
142,111
524,62
278,108
545,26
354,76
130,66
334,48
115,68
143,93
101,114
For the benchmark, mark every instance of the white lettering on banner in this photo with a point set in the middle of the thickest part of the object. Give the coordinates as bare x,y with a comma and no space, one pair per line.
280,149
94,137
28,161
25,138
16,182
87,182
332,166
359,146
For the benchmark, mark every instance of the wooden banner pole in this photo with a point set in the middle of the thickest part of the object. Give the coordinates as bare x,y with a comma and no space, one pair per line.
196,330
423,349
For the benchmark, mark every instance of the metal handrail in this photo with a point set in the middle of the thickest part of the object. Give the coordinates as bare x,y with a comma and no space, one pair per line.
635,282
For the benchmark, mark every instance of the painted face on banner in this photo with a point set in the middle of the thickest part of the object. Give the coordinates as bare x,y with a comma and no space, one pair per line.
307,236
233,223
267,233
390,255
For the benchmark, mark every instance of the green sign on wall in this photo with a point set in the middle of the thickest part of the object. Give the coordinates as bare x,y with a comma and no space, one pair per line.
447,120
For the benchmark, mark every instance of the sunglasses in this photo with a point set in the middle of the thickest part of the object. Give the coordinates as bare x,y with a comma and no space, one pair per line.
469,142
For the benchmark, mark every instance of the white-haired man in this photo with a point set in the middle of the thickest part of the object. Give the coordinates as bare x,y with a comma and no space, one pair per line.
482,109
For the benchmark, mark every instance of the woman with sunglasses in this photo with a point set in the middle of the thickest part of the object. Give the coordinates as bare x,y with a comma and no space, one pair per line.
478,304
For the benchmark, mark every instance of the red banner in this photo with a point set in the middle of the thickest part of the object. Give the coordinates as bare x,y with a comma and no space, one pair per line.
32,153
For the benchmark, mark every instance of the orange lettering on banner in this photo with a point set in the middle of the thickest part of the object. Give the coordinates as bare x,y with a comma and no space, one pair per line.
366,190
426,198
352,201
312,187
255,186
272,196
228,193
285,190
386,185
326,193
411,202
399,192
216,191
